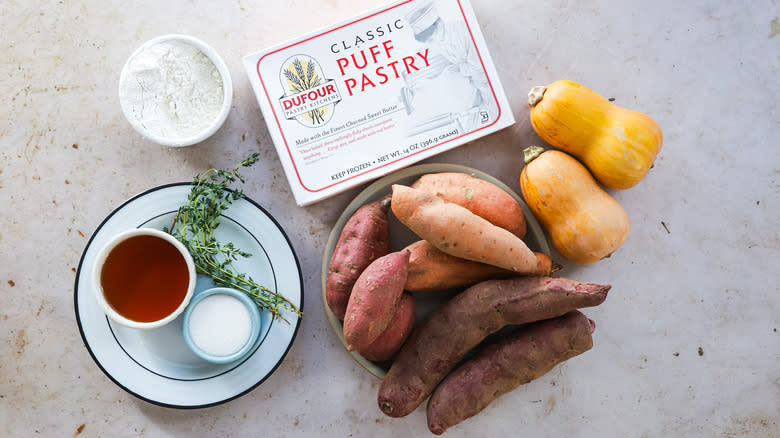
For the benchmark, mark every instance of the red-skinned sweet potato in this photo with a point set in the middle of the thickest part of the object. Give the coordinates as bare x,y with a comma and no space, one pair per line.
374,299
399,328
522,356
459,325
364,238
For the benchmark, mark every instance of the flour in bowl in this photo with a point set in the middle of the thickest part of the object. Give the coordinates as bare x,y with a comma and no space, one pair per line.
172,89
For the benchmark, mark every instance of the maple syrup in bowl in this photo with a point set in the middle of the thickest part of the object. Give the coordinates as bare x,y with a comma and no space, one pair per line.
143,278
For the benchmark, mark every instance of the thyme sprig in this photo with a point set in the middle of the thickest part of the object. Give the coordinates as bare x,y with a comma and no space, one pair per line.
195,223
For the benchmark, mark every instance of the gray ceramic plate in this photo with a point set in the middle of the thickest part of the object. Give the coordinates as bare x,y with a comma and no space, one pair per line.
400,237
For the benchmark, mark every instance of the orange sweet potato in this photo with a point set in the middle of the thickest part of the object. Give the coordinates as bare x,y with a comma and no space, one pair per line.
364,238
481,197
431,269
452,330
522,356
399,328
457,231
374,299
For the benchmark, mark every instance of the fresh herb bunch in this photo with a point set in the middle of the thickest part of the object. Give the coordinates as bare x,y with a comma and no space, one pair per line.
194,225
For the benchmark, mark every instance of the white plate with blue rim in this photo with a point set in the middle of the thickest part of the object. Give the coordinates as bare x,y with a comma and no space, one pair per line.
156,365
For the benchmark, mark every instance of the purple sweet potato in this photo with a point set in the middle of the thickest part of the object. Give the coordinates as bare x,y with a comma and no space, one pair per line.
364,238
459,325
374,299
522,356
399,328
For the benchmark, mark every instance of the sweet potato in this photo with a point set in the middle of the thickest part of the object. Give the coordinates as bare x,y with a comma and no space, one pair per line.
481,197
460,324
374,299
399,328
432,270
364,238
459,232
496,369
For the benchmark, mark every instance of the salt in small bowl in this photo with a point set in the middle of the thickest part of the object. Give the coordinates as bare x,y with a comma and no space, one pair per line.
254,332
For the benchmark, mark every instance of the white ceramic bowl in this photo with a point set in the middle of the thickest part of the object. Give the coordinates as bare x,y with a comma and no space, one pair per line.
100,260
227,99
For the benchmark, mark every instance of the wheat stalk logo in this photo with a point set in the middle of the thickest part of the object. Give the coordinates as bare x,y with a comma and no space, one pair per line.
299,79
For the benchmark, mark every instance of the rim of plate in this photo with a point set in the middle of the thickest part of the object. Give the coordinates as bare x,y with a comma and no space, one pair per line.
125,387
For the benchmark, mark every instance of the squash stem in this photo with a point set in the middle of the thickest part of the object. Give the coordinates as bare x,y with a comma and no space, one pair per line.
535,95
531,152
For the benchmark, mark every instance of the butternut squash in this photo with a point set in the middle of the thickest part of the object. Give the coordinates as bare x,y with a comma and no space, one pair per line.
618,145
584,222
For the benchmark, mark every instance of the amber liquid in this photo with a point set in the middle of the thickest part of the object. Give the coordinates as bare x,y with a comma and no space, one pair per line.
144,278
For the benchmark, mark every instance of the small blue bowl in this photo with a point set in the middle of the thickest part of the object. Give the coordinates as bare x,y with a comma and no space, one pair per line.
254,334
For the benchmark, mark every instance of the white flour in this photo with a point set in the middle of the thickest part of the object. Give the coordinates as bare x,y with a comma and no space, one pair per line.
172,90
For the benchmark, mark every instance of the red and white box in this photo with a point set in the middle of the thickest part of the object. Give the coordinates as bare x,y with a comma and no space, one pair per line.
377,92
